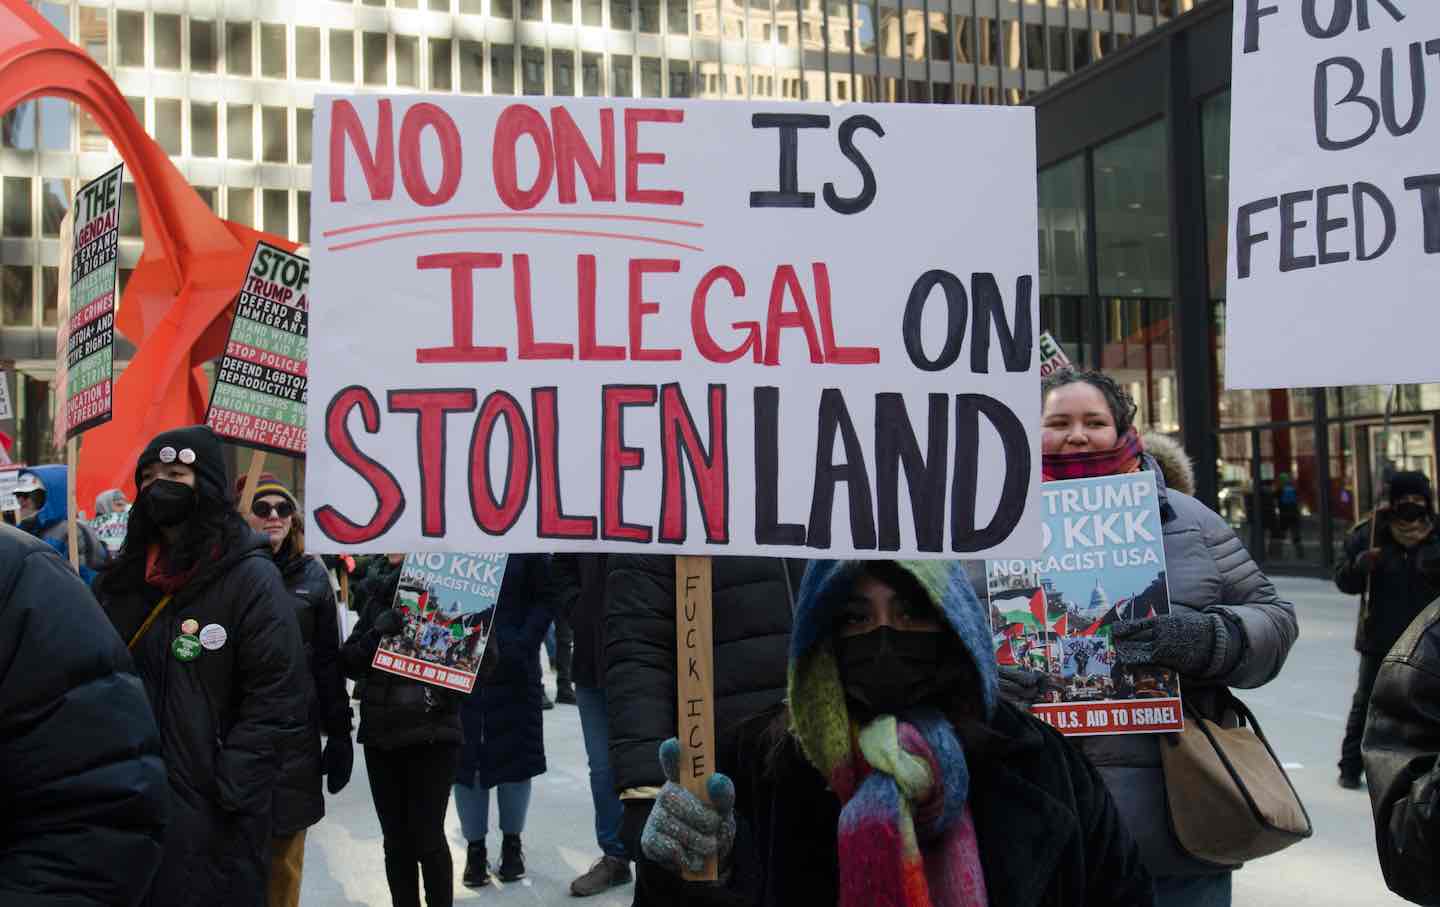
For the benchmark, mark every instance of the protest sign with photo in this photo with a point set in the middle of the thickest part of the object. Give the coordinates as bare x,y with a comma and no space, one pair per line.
1334,228
448,602
1052,357
7,411
88,319
9,481
258,399
1104,561
111,528
743,328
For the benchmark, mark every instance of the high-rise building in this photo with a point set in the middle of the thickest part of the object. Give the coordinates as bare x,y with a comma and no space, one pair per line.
227,88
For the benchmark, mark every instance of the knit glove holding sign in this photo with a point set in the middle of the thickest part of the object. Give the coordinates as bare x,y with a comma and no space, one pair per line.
682,831
1196,643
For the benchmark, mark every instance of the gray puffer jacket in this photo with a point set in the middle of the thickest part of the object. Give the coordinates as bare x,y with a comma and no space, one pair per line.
1208,569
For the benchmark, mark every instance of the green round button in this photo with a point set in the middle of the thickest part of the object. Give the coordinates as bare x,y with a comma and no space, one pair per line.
186,648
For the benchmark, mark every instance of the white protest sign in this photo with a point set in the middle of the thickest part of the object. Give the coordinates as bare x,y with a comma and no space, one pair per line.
695,327
1052,356
7,411
1334,194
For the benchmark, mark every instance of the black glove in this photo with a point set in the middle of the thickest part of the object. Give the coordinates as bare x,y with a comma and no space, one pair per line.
1195,643
337,761
389,622
1022,686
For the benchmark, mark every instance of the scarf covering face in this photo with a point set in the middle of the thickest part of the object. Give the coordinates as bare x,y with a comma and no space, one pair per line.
1410,533
906,836
1124,457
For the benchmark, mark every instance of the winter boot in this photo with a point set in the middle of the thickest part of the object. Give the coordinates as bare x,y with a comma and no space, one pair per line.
512,859
477,865
608,872
565,693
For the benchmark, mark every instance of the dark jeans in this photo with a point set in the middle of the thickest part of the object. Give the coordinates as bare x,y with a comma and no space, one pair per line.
595,725
1196,891
411,789
1350,763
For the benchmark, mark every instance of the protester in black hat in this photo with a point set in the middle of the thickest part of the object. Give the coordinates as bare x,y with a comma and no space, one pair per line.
299,801
198,600
1387,573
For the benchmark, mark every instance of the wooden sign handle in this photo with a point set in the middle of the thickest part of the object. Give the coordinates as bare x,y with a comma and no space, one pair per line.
72,511
252,479
694,662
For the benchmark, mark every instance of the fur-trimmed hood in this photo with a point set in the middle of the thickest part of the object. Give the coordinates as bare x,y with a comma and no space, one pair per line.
1175,464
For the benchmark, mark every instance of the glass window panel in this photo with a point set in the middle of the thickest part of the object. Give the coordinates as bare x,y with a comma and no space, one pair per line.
1215,154
302,216
207,195
679,78
304,123
307,52
374,43
1058,47
204,130
130,37
167,125
441,6
1082,54
562,72
622,76
405,4
532,10
17,295
407,61
650,17
532,65
503,9
939,37
276,216
94,34
49,297
204,55
238,54
342,55
1132,215
440,78
54,202
1035,46
17,222
621,17
650,86
55,117
502,68
239,132
137,107
591,12
167,40
1064,264
129,212
964,39
593,68
914,35
274,135
562,11
677,17
472,68
240,205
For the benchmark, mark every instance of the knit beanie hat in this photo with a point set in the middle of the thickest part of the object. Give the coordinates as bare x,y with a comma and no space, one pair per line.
1405,483
195,446
266,484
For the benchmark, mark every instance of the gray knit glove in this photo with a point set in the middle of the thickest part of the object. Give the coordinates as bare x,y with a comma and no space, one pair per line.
1022,686
682,831
1195,643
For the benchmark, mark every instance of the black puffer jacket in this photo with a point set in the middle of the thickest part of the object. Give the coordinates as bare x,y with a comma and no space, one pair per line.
751,606
504,729
394,711
225,717
83,799
299,796
1399,588
580,583
1402,744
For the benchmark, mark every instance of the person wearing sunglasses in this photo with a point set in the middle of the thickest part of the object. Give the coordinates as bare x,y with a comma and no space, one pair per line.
1384,565
299,801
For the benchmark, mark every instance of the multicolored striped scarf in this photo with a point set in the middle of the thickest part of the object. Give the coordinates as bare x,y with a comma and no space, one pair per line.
1118,460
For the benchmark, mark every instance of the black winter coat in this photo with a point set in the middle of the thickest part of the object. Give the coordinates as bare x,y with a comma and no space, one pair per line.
580,579
504,728
1402,744
394,711
1399,588
225,718
83,799
1048,830
299,795
751,606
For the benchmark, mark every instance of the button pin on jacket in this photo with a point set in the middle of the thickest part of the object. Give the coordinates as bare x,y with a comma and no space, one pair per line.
185,648
190,627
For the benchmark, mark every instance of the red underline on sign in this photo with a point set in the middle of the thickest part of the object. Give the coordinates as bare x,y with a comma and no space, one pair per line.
406,221
546,231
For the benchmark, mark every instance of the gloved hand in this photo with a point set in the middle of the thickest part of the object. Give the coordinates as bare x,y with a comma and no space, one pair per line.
1022,686
337,761
389,622
682,831
1197,643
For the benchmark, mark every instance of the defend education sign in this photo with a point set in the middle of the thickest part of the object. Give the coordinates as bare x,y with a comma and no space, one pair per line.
1334,250
90,322
584,324
259,395
1104,561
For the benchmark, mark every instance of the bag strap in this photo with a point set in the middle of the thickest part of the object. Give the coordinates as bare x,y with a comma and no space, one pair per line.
145,627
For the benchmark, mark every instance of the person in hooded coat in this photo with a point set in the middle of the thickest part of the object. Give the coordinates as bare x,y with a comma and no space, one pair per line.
198,600
897,777
299,801
43,492
1227,626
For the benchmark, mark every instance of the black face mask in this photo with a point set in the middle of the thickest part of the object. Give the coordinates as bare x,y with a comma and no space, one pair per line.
888,671
167,503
